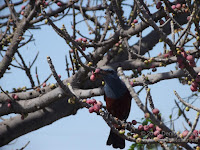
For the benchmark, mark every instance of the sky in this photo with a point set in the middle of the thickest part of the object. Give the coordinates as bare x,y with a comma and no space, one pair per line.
84,130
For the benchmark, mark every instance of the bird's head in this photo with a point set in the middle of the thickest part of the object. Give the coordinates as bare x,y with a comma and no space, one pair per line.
114,87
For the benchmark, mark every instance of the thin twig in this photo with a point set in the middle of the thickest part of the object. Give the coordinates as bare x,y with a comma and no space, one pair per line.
149,97
187,27
193,126
74,22
67,66
73,70
185,103
64,87
184,116
5,93
26,69
34,60
36,73
24,146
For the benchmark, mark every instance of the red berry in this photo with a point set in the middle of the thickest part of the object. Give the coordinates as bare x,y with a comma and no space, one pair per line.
91,110
79,40
84,39
189,123
151,125
134,122
9,105
93,101
161,22
146,127
193,89
173,7
89,101
183,5
71,51
46,3
16,97
156,133
99,103
92,77
166,55
178,6
23,7
158,5
131,83
190,58
97,70
59,4
192,137
140,127
59,76
188,18
195,133
13,95
194,84
155,111
135,21
158,128
96,108
160,136
22,12
184,54
185,133
44,84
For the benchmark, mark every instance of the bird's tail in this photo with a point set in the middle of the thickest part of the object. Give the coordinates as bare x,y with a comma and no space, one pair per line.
115,141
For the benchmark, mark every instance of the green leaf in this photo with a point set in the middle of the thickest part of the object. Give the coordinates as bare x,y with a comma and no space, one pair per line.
133,146
145,122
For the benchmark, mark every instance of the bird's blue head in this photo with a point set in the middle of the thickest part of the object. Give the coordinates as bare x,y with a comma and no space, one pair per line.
114,87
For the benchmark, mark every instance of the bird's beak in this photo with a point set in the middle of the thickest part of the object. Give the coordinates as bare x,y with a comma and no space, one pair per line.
100,72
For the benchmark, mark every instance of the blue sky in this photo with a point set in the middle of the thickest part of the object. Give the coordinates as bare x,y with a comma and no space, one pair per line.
84,130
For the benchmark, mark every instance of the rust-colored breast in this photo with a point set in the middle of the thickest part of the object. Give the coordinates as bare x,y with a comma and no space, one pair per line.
119,108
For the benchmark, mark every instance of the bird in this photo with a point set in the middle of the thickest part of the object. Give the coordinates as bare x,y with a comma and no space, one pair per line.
118,102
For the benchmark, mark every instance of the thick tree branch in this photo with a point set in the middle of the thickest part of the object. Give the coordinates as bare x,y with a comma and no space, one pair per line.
15,127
